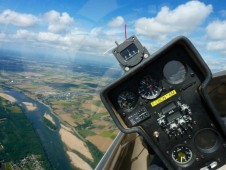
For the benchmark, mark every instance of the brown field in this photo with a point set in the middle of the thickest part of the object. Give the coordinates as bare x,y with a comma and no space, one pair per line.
67,118
100,142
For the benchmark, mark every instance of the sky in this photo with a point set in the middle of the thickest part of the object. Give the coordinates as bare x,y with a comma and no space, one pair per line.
70,28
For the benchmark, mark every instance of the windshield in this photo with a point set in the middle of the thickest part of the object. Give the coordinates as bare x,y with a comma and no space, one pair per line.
55,57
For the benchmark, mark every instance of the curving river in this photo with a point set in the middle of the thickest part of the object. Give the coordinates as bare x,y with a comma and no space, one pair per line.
50,140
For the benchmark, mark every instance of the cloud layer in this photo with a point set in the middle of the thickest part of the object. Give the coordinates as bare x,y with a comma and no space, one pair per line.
216,33
60,31
184,18
17,19
54,30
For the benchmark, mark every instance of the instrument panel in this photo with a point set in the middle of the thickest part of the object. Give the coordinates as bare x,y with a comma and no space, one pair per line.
163,101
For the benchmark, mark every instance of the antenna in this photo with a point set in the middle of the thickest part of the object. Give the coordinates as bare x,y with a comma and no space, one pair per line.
125,32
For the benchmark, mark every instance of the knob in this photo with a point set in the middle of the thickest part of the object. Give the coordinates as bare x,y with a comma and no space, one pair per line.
179,130
162,122
173,126
181,121
187,118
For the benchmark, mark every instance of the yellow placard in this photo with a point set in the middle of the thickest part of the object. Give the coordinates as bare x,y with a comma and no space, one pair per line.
163,98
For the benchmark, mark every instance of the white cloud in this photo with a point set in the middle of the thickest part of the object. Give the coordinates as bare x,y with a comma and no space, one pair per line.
219,46
55,31
88,42
116,22
58,22
17,19
216,30
185,17
24,34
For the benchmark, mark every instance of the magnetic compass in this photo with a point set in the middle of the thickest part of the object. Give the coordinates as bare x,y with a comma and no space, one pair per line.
182,154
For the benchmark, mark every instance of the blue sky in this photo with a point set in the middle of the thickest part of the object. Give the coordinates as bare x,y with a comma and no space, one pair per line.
90,27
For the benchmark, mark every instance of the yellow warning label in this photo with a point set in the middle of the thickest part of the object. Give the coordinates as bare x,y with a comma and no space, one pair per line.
163,98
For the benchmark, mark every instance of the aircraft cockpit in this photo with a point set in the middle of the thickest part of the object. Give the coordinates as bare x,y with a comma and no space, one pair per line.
163,97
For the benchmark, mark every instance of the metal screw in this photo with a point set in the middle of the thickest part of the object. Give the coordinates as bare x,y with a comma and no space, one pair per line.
127,68
145,55
219,160
156,134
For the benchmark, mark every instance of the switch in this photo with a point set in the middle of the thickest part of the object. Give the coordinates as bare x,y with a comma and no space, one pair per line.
205,168
213,164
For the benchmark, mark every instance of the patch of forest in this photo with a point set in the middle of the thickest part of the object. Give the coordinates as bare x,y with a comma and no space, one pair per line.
18,139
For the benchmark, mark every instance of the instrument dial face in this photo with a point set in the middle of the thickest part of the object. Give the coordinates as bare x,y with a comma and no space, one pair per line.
149,88
127,100
174,72
182,155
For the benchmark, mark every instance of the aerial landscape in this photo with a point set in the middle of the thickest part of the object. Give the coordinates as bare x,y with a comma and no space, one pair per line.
55,57
71,97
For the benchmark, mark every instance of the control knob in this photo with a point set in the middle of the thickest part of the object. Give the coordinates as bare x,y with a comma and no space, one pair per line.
162,122
187,118
183,124
173,126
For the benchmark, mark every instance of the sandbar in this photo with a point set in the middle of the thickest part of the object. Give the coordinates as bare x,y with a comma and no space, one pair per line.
30,106
74,143
8,97
47,116
77,162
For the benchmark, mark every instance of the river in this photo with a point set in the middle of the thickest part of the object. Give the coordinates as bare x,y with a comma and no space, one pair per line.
50,140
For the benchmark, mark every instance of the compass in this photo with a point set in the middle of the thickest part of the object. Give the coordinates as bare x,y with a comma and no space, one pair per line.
182,154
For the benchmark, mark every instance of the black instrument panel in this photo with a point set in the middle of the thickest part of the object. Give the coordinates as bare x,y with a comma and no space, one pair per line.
135,96
162,100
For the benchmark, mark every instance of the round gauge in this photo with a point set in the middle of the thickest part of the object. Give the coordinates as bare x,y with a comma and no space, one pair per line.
210,145
174,72
149,88
182,154
127,100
